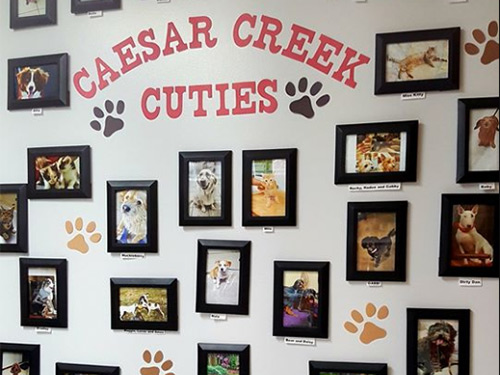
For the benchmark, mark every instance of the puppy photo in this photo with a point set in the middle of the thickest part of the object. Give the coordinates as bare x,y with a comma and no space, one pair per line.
8,218
437,347
268,188
374,152
143,304
483,140
223,277
43,295
204,188
31,83
132,217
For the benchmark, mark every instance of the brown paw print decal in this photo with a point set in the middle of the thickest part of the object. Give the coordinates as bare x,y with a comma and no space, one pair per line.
79,241
370,331
490,49
155,365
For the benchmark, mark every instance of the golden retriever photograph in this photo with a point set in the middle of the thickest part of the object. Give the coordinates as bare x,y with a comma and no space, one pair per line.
269,188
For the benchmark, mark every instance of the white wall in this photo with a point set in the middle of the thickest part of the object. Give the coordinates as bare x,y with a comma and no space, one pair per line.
149,150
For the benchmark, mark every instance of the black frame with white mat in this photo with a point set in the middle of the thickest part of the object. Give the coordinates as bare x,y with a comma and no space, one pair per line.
30,357
49,18
21,222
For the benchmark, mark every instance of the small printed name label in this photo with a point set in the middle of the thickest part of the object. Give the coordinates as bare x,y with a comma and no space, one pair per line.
146,331
132,256
458,1
359,1
470,282
37,111
95,13
413,96
268,229
297,341
43,330
162,1
218,316
489,186
374,284
375,187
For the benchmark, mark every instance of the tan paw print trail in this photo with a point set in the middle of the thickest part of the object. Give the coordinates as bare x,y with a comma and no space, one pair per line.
158,365
371,331
78,242
491,48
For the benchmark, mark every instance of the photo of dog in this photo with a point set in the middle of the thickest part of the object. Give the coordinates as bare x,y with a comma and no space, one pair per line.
143,304
437,347
483,140
43,296
205,182
376,152
31,83
132,217
57,172
8,218
379,249
15,364
223,277
300,299
31,8
269,188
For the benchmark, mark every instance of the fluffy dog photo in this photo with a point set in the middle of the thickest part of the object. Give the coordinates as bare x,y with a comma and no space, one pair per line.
483,140
8,218
43,293
300,299
132,217
269,188
57,172
143,304
205,182
223,277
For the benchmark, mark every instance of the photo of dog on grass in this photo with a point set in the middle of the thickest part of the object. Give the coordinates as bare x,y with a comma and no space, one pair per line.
205,181
223,277
143,304
483,140
43,293
300,299
269,188
132,217
8,218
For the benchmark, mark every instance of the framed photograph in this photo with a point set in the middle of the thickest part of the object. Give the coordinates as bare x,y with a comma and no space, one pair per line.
24,13
413,61
13,218
376,152
469,235
205,188
376,241
84,6
270,187
38,81
438,341
346,368
59,172
301,294
74,369
149,304
478,129
22,359
132,216
215,359
44,292
223,277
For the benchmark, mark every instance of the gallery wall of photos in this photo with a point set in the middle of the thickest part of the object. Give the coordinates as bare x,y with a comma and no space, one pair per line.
287,187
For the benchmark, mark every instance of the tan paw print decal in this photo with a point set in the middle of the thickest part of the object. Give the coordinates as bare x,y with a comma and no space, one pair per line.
490,49
371,331
79,241
158,364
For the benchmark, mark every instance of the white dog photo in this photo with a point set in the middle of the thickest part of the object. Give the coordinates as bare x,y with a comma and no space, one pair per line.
205,182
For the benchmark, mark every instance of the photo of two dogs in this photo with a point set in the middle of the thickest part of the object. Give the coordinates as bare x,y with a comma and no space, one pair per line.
143,304
8,218
437,351
57,172
222,277
300,299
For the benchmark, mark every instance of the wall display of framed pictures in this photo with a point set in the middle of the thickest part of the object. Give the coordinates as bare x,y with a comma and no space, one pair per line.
84,6
438,341
301,299
38,81
44,292
19,359
13,218
132,216
469,235
59,172
223,277
149,304
478,138
205,188
25,13
76,369
346,368
270,187
412,61
227,359
376,241
376,152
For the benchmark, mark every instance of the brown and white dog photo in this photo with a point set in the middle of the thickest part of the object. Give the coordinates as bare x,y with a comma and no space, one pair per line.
219,273
31,83
132,207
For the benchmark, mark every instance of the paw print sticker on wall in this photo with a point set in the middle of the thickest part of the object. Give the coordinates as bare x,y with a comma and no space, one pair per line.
112,124
156,365
305,105
490,49
370,331
79,241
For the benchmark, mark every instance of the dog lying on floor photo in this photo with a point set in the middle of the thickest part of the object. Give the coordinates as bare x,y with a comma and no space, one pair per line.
379,249
205,198
435,350
133,208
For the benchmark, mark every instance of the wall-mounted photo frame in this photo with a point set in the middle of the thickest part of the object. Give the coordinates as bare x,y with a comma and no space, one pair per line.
59,172
13,218
19,359
44,292
38,82
376,152
146,304
223,359
478,158
205,188
32,13
469,235
85,6
76,369
346,368
301,299
223,277
376,241
414,61
438,341
132,216
270,187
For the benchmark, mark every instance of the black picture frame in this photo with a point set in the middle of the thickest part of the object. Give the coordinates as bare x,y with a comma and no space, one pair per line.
82,152
408,127
151,188
49,18
61,293
75,369
290,216
465,106
241,308
243,351
79,6
452,262
185,206
323,270
21,221
452,82
416,355
61,96
377,241
171,314
29,352
351,368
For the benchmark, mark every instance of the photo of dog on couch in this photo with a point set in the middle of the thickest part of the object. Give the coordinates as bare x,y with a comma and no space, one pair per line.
132,217
57,172
300,299
143,304
269,188
8,218
43,293
205,181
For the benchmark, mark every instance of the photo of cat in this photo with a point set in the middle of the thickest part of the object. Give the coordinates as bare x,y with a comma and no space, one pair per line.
57,172
269,188
8,218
